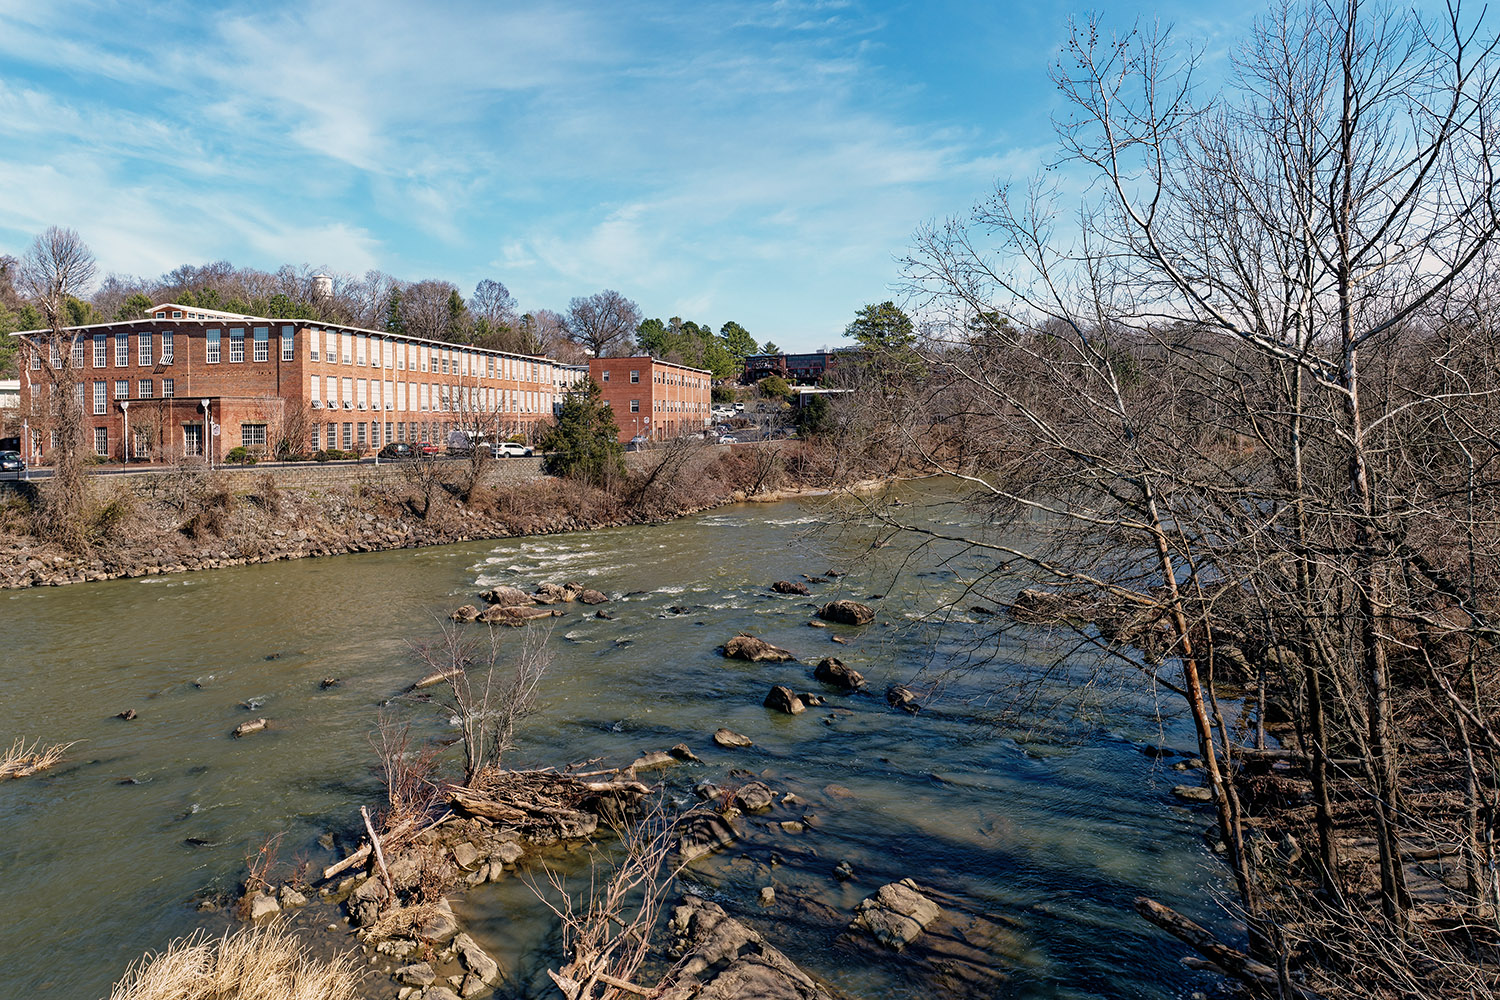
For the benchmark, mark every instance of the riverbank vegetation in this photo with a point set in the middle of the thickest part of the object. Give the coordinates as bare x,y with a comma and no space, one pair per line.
252,963
1239,400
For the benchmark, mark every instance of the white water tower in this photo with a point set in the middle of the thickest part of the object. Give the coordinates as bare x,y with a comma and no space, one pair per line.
322,287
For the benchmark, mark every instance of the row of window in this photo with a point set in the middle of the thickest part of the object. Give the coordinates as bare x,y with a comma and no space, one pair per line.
260,349
351,393
333,347
358,433
662,378
145,389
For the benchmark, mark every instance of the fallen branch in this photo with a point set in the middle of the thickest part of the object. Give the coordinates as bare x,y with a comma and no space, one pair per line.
364,852
1234,963
385,874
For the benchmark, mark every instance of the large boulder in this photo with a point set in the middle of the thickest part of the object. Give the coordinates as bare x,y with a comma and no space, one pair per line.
748,647
847,613
551,593
703,833
782,699
467,613
587,596
507,596
902,697
896,914
790,587
833,671
731,740
515,614
476,960
754,796
722,959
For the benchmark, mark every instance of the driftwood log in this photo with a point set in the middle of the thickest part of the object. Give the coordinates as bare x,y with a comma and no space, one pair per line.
538,801
1255,974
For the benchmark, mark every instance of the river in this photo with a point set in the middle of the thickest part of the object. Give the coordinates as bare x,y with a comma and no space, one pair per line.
1046,830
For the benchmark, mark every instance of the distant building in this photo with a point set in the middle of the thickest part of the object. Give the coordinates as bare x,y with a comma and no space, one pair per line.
792,367
654,399
185,381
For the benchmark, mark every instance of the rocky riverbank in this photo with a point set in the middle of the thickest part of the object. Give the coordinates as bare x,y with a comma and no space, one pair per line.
195,520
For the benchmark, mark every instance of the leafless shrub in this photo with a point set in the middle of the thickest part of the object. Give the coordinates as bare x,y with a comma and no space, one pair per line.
259,867
254,963
607,931
407,770
488,697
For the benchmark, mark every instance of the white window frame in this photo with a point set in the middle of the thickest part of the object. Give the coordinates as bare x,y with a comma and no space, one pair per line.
237,345
166,347
122,350
101,397
288,344
169,388
144,349
101,350
260,349
212,345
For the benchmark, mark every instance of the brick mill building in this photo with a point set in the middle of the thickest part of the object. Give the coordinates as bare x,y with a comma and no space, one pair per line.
654,399
186,381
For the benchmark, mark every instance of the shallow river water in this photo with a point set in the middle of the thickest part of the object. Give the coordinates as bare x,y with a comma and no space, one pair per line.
1036,844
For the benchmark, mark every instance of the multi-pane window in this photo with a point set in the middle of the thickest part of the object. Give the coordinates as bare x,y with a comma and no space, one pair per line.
348,394
77,352
605,375
360,353
347,436
213,347
36,359
635,376
313,353
286,343
143,350
262,346
330,352
145,390
99,398
361,437
344,339
101,439
635,406
316,437
359,391
332,397
314,396
101,350
122,350
168,388
236,345
426,353
166,347
253,435
122,388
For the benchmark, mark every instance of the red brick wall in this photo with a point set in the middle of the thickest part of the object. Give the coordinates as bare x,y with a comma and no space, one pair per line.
672,399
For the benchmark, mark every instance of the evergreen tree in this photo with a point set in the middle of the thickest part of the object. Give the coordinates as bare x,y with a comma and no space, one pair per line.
585,443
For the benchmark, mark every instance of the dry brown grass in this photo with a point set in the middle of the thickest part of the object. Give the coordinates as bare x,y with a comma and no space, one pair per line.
254,963
22,760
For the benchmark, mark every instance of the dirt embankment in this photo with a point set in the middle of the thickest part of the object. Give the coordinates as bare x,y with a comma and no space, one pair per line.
197,519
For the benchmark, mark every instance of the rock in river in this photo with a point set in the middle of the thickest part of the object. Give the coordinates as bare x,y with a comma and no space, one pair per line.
748,647
783,700
703,833
896,914
790,587
832,670
729,739
508,597
847,613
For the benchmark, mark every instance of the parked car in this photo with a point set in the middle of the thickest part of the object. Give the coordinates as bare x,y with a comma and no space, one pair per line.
397,450
728,439
10,461
510,449
637,443
428,449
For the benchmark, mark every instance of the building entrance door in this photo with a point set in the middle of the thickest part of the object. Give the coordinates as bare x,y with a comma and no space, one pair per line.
192,439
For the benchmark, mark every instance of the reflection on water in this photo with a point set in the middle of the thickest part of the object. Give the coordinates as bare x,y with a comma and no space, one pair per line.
1037,848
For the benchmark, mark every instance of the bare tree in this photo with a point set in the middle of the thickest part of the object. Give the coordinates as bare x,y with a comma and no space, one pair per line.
57,268
493,303
1253,362
603,323
489,699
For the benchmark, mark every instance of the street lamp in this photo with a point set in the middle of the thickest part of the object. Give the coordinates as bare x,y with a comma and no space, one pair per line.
124,434
206,431
28,453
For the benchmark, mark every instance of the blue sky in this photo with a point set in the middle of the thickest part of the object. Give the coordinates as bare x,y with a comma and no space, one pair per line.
761,162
